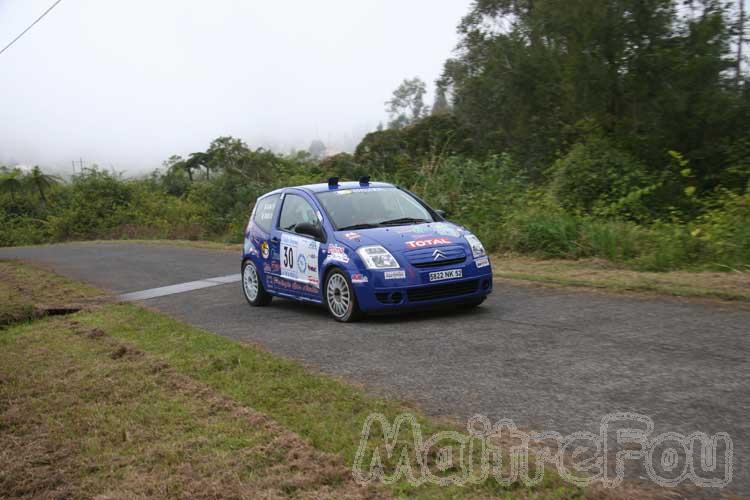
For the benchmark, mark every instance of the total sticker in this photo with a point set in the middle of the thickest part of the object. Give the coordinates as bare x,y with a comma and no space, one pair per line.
394,275
427,242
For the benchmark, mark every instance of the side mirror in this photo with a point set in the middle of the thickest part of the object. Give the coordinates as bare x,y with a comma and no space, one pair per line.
442,213
309,229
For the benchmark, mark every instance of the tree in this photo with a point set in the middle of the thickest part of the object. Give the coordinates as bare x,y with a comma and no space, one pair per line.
196,161
11,184
317,149
42,182
343,166
440,105
176,163
407,104
650,76
740,39
226,153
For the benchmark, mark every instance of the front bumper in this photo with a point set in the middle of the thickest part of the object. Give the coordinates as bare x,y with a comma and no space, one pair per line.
416,290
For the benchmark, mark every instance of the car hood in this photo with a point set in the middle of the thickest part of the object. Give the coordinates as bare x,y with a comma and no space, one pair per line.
399,239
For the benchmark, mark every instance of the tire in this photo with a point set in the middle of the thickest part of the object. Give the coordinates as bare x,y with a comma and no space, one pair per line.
255,295
340,298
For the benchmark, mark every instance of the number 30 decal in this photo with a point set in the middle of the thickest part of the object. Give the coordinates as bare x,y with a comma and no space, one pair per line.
299,259
288,257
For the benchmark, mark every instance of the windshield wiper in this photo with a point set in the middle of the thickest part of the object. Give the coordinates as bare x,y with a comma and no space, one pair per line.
403,220
358,226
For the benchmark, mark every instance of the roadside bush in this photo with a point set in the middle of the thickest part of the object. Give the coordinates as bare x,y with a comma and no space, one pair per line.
550,234
478,194
96,202
617,241
725,227
23,231
667,247
599,203
596,174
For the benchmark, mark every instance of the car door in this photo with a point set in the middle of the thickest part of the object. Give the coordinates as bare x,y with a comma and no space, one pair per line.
298,255
258,241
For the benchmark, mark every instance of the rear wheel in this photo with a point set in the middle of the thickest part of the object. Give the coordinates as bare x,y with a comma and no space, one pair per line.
340,298
252,287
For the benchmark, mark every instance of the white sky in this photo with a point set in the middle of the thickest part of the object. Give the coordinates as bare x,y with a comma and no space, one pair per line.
127,83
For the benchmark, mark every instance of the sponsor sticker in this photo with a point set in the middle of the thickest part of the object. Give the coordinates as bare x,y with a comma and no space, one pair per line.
296,252
446,275
359,278
429,242
264,249
394,275
337,253
352,236
482,262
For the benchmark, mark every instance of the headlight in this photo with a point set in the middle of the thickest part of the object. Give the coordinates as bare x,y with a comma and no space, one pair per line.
377,257
477,249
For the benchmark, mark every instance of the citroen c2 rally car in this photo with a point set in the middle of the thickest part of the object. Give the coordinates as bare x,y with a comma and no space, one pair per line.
359,247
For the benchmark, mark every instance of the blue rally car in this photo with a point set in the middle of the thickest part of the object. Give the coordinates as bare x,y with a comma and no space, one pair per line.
359,247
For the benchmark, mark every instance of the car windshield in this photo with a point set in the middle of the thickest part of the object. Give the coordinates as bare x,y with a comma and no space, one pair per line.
373,207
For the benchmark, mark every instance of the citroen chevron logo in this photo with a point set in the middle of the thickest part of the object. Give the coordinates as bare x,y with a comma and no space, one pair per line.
438,254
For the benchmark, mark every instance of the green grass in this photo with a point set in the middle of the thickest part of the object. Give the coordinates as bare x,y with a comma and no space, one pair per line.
79,417
125,401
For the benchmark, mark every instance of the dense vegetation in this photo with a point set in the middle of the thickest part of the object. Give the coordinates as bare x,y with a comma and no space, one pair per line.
616,129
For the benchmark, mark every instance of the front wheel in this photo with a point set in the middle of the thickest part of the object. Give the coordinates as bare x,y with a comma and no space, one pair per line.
340,298
252,287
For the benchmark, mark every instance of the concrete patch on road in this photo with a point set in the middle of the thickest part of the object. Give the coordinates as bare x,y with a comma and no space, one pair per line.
179,288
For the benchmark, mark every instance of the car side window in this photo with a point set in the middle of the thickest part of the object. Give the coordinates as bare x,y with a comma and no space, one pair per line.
264,212
296,210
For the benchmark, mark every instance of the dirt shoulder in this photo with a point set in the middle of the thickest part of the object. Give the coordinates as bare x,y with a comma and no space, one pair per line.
728,286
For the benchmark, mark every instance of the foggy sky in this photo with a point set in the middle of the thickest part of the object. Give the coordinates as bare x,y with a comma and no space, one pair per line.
128,83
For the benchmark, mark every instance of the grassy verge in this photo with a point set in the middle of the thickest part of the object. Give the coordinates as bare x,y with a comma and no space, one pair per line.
120,401
603,275
82,415
27,292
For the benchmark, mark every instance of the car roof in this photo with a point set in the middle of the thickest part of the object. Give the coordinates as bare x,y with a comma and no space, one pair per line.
324,187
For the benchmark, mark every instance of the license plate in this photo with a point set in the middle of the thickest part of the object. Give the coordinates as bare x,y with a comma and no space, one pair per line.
446,275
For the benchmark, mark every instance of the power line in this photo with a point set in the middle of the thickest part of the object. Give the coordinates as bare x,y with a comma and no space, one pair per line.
30,26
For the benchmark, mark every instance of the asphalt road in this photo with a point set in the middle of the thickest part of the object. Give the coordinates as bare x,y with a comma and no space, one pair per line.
547,358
